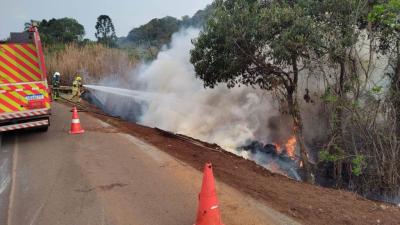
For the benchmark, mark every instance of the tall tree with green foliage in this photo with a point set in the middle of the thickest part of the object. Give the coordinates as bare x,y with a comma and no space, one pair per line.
105,31
56,31
256,44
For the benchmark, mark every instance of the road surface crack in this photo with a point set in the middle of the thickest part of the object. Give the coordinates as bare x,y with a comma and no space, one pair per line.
106,187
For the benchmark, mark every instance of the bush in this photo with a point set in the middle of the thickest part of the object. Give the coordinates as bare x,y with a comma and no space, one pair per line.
92,61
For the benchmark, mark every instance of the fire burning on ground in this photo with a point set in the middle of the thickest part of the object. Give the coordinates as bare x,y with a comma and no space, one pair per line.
290,147
277,157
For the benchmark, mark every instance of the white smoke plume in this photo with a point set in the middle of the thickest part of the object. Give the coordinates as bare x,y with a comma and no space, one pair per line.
172,98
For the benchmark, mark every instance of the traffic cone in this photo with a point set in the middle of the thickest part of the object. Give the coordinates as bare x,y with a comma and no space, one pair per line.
208,211
75,123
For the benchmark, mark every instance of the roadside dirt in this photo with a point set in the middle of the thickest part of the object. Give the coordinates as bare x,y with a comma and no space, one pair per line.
305,203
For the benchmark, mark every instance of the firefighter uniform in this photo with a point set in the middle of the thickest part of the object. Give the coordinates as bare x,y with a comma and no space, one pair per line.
77,89
55,81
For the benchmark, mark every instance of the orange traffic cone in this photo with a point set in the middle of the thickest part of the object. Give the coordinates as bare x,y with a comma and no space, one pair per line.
208,211
75,123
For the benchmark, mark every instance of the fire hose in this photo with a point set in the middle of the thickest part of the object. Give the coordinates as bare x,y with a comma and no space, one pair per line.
83,108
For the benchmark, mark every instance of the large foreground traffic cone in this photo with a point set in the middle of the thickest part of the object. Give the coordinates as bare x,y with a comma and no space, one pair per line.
208,211
75,123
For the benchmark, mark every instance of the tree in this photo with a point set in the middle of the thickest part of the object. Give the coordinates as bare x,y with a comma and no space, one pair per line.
385,19
359,150
199,18
256,44
64,30
105,31
155,33
337,20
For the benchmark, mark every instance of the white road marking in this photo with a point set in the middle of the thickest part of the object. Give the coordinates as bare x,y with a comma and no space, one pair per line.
4,169
13,175
4,175
38,211
4,183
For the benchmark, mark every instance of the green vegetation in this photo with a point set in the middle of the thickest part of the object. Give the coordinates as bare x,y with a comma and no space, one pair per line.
386,25
233,49
59,31
156,33
274,45
199,18
357,164
105,31
148,39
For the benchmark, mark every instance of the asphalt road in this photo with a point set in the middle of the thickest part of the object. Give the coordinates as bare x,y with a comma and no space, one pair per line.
105,177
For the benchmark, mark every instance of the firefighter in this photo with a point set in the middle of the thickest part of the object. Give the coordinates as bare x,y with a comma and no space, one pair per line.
55,81
77,89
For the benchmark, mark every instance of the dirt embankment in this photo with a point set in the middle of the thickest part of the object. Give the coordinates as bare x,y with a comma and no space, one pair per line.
306,203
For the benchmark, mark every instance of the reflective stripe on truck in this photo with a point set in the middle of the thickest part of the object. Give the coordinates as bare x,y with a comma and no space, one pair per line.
27,113
16,97
19,63
18,126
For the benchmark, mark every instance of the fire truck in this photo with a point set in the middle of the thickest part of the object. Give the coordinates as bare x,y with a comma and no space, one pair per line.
24,92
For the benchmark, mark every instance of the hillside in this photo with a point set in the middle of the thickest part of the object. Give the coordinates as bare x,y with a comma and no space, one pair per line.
158,31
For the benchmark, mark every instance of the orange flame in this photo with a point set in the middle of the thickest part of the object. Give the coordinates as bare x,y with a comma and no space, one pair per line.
291,146
278,148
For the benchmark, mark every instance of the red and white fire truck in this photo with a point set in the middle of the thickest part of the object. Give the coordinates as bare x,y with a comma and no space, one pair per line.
24,93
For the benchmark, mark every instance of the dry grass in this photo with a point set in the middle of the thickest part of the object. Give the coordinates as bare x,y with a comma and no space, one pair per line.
93,62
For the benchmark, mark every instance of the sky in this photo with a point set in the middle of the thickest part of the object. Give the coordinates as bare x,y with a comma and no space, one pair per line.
125,14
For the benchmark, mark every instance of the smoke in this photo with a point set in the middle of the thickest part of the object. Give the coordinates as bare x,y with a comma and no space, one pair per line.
169,96
165,93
